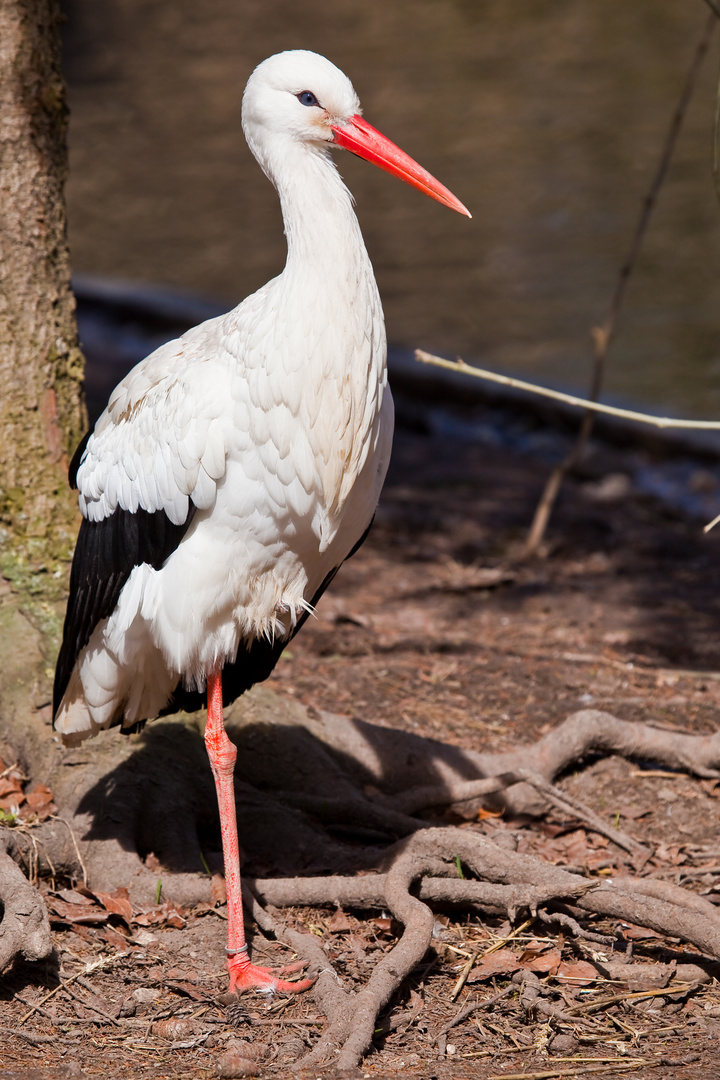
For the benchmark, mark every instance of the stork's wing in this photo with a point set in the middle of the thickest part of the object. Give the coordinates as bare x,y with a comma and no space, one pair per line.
161,440
155,456
105,555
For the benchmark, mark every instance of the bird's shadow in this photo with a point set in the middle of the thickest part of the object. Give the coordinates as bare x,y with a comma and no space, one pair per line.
161,798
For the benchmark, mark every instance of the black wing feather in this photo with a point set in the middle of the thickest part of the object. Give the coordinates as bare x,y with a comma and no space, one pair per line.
106,553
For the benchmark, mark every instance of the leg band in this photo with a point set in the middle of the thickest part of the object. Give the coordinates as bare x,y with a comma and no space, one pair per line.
234,952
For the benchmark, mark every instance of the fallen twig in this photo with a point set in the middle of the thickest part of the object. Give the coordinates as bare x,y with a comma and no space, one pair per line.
548,1074
104,961
33,1037
328,991
474,1007
588,1007
69,989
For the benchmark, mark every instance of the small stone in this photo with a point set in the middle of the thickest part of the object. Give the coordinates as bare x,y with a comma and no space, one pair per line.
450,1049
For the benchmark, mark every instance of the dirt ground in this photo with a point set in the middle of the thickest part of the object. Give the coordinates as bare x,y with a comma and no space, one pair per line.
438,628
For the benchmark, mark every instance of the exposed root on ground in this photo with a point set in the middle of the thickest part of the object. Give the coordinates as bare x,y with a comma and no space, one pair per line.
369,783
519,884
24,929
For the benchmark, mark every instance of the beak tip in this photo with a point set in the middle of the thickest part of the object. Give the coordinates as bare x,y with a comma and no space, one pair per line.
456,205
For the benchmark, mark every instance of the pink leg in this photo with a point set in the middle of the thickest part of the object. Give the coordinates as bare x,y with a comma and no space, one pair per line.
222,754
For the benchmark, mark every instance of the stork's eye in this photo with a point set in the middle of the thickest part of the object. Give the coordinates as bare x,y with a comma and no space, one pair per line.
307,98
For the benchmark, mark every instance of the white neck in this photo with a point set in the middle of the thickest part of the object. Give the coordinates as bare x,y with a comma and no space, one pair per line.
316,332
323,234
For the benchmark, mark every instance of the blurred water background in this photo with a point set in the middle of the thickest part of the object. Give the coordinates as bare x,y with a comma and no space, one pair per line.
546,117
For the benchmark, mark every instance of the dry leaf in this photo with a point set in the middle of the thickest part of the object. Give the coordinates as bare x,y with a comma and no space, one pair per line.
483,814
117,903
90,914
179,973
167,914
576,847
74,896
13,801
383,925
39,803
338,923
669,853
579,971
186,988
545,962
40,795
218,891
9,785
637,933
632,813
115,939
501,962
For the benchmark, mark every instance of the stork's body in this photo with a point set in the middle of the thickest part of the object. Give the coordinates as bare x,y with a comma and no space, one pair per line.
238,466
275,422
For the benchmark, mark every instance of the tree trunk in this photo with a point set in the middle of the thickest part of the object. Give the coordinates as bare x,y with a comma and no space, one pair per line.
42,413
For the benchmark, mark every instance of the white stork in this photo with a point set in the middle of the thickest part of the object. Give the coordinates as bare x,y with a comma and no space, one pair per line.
238,466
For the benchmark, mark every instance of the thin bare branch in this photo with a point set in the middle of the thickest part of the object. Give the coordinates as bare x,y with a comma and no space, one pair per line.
568,399
602,335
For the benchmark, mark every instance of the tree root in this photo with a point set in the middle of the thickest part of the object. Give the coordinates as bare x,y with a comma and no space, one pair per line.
422,798
25,929
328,991
370,784
522,883
430,773
418,921
518,883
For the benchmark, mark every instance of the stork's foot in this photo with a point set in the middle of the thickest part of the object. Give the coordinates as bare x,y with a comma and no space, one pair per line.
247,976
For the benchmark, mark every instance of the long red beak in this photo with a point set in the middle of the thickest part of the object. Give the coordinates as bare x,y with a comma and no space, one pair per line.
367,142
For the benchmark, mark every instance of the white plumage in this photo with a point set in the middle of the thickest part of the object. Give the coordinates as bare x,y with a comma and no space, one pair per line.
274,420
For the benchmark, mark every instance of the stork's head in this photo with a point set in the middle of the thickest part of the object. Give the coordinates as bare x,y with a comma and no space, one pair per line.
299,96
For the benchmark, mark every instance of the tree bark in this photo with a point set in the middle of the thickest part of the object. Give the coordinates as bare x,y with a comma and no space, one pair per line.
42,413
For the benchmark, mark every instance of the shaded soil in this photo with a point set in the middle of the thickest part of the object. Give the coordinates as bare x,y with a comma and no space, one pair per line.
436,628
